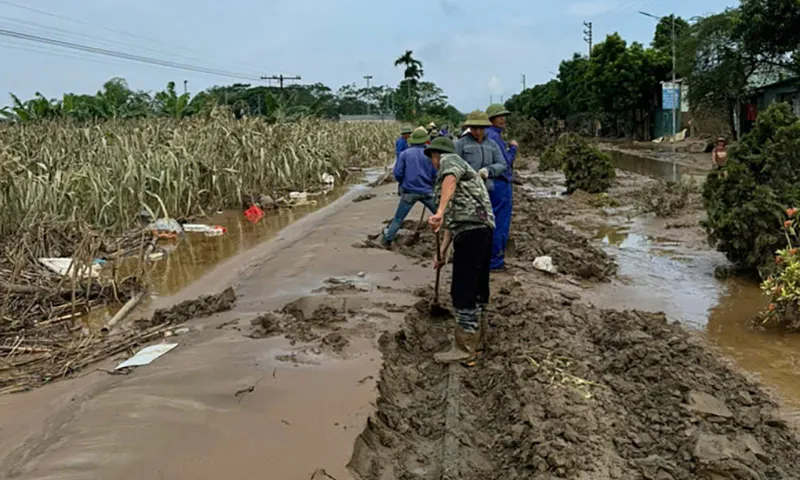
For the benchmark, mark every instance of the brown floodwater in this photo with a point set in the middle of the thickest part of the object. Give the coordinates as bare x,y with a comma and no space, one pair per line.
662,168
194,255
658,274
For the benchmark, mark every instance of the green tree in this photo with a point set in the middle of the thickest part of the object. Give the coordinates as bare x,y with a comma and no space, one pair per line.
662,41
413,67
168,103
770,28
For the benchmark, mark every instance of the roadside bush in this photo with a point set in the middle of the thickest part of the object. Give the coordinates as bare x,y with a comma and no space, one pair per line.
528,132
762,178
666,199
551,159
585,167
783,286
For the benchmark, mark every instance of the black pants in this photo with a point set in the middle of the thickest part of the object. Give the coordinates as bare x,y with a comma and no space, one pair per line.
471,257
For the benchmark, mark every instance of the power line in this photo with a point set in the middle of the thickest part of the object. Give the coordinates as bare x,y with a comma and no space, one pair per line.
160,43
39,29
122,55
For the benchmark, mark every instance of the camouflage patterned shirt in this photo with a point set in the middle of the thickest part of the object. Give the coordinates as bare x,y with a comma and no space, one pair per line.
470,206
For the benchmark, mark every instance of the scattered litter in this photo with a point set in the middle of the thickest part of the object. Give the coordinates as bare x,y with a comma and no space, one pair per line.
254,214
544,264
216,231
196,228
328,179
63,266
362,274
181,331
147,355
207,230
166,225
156,256
298,196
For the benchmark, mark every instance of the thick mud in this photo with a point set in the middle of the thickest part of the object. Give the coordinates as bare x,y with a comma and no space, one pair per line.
566,390
200,307
533,234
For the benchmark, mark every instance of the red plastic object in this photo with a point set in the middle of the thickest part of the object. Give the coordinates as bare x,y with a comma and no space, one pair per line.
254,214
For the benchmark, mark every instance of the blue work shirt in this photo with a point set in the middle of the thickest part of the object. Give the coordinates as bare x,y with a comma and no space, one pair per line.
400,146
495,134
414,171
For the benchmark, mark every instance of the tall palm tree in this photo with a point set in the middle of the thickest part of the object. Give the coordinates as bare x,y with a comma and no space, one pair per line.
413,66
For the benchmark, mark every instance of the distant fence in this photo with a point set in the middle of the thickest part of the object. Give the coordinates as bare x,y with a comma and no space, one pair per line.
368,118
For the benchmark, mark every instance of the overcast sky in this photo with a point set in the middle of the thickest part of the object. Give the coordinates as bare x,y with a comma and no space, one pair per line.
472,49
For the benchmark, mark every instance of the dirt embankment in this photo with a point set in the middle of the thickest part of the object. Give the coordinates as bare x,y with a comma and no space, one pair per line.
565,390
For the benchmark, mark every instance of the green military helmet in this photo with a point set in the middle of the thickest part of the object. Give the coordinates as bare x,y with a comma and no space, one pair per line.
497,110
418,137
440,144
477,119
406,130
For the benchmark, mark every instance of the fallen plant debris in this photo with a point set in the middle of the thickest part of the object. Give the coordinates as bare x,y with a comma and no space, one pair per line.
57,348
567,390
364,197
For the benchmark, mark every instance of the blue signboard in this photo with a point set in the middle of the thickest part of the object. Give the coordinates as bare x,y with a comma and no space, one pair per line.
670,97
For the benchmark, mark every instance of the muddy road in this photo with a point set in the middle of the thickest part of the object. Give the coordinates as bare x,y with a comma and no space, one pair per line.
322,368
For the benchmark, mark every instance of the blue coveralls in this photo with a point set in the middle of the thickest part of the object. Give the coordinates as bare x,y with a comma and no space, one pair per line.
501,200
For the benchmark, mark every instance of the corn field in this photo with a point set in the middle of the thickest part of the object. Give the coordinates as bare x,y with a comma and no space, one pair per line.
102,175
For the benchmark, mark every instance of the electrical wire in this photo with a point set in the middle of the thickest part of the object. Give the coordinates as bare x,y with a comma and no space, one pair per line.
123,55
9,44
160,43
69,35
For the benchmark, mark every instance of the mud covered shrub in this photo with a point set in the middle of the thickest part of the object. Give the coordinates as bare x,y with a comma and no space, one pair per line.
551,159
666,198
746,201
585,167
783,286
528,132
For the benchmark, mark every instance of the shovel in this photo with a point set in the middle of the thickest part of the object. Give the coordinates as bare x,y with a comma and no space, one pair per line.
419,228
436,309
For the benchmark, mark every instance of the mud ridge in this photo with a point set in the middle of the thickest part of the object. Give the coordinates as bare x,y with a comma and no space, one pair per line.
566,390
533,234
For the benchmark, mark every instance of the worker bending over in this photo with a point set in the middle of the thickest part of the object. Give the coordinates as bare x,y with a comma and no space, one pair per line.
465,212
415,174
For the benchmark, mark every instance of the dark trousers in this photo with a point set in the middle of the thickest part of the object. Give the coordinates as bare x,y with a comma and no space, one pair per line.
472,253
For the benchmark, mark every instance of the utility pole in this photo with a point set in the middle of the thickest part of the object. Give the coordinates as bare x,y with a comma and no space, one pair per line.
491,99
367,78
501,99
587,35
185,89
675,94
523,81
280,78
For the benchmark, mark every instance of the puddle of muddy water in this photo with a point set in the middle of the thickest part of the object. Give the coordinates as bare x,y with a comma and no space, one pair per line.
658,274
773,356
195,255
661,169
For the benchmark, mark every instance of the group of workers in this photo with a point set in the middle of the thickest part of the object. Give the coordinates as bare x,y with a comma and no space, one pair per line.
466,185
